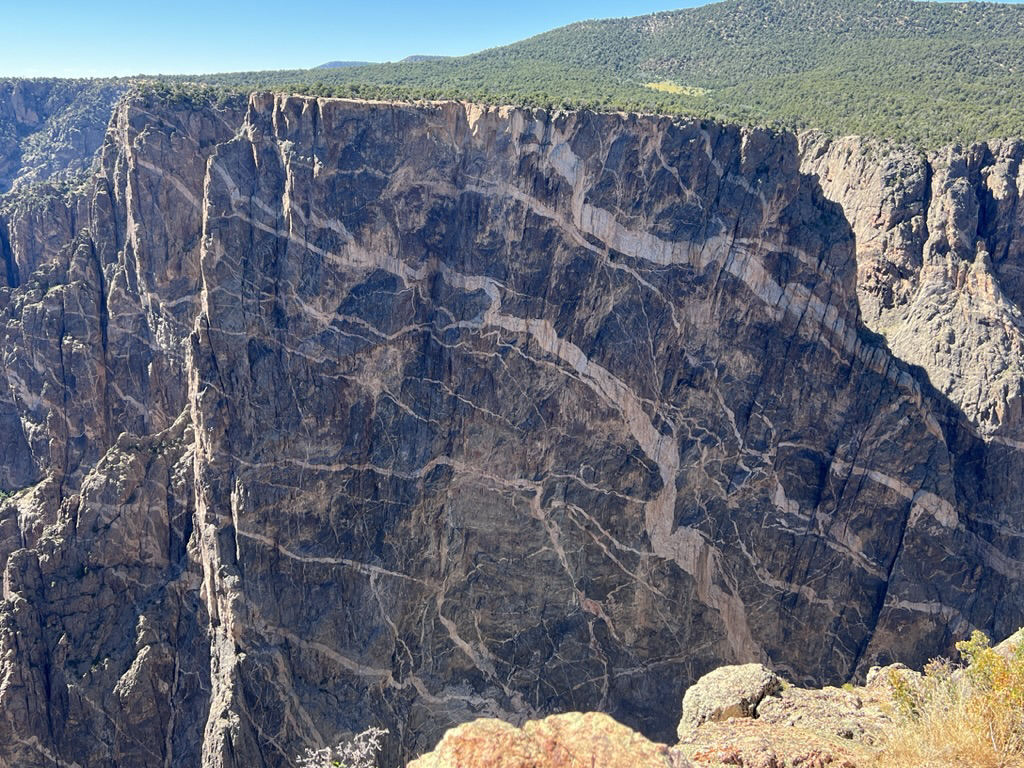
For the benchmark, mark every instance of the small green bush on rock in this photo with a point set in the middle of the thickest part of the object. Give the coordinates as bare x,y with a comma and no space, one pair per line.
961,717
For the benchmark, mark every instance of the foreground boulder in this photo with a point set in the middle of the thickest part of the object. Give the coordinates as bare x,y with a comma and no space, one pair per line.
751,743
733,691
853,714
560,741
747,716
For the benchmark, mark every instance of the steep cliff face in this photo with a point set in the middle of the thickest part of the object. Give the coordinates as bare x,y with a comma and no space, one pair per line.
51,129
335,413
940,239
103,635
50,132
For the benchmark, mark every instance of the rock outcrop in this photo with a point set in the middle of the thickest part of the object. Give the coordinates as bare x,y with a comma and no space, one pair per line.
727,692
51,129
740,715
571,740
331,414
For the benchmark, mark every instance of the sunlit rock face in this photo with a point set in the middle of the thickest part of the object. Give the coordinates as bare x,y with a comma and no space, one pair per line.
940,254
340,414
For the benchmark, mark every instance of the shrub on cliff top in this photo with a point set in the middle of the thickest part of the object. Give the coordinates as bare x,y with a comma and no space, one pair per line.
972,716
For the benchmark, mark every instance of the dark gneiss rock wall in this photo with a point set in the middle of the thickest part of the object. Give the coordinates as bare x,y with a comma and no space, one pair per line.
348,413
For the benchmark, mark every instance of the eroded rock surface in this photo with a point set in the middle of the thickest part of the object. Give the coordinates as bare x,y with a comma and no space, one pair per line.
788,727
50,129
854,714
572,740
334,414
727,692
940,241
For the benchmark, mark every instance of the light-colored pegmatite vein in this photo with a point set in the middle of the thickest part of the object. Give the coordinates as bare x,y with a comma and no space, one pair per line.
175,182
686,547
817,319
367,569
922,502
610,546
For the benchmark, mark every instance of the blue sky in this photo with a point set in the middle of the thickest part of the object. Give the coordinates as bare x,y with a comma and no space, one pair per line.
121,37
126,37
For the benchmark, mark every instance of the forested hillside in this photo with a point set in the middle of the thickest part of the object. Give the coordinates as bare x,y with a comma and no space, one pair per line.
926,72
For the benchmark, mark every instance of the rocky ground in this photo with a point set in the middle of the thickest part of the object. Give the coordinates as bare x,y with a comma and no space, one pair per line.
742,715
735,716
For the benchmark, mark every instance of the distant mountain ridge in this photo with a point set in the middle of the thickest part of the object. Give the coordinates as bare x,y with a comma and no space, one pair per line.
340,64
425,57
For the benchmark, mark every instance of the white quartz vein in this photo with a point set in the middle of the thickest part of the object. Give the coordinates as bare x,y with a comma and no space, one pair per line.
364,568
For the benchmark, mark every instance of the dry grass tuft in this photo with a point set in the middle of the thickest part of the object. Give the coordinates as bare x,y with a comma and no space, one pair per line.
960,717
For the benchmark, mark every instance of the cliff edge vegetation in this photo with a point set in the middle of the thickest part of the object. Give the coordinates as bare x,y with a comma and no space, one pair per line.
923,72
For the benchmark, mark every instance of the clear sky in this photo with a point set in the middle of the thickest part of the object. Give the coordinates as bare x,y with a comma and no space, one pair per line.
65,38
72,38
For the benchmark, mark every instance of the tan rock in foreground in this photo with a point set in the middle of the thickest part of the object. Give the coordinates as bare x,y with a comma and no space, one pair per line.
743,715
560,741
753,743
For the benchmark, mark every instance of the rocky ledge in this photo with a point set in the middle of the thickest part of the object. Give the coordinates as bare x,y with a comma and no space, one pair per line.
748,716
735,716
